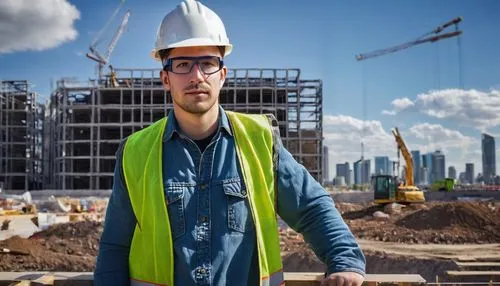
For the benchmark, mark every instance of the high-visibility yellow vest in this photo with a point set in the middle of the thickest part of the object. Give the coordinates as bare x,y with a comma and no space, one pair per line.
151,260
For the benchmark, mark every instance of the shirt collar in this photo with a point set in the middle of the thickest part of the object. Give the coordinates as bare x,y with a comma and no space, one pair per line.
173,127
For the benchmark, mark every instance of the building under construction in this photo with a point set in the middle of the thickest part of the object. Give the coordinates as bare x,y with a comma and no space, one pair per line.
21,137
90,120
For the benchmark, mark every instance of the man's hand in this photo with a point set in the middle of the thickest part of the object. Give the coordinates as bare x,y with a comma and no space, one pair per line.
343,279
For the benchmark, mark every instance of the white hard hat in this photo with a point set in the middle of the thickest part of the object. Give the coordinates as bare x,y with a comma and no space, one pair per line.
191,24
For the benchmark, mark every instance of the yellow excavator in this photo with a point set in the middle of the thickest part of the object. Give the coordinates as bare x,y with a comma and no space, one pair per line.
386,187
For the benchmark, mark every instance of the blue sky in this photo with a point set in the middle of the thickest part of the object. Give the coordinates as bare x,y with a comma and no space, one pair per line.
319,37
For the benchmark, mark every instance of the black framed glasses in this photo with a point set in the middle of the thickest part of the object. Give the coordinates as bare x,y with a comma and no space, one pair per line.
184,65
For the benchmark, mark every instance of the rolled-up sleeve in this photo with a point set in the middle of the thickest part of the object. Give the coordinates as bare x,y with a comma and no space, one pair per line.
119,225
308,208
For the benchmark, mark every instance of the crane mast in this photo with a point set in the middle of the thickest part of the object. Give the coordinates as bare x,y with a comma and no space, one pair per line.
94,54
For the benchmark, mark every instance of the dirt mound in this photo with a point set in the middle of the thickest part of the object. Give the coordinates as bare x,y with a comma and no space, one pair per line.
432,222
74,246
462,214
81,229
61,247
41,257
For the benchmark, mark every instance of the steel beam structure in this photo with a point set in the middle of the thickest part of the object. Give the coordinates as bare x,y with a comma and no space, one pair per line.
91,119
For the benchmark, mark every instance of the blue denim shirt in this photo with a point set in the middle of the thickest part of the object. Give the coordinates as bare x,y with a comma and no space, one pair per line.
214,237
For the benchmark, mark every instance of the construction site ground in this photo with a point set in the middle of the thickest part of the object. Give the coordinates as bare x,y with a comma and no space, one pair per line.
423,239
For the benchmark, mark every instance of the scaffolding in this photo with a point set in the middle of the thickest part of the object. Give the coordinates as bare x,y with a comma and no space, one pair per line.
21,137
91,119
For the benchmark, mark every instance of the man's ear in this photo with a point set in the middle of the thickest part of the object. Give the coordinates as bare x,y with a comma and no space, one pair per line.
164,80
223,76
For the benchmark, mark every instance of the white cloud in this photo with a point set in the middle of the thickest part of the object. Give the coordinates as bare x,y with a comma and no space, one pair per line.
388,112
36,25
402,103
467,107
437,134
343,137
458,148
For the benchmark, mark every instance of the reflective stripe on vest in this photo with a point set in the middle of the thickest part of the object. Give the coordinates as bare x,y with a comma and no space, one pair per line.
275,279
151,252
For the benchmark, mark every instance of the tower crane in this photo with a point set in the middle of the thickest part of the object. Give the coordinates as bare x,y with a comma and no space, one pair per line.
385,186
430,37
97,56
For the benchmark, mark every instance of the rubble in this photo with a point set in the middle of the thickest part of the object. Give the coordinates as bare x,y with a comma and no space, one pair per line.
441,223
62,247
378,215
73,246
393,208
5,224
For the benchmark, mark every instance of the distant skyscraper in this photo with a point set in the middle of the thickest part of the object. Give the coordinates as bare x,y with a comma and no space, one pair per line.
469,173
343,170
416,166
391,171
326,170
366,172
357,172
424,175
339,181
489,158
452,172
348,179
438,166
382,165
461,178
427,163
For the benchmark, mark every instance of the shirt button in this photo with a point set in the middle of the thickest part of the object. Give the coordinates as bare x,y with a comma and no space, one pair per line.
203,186
203,218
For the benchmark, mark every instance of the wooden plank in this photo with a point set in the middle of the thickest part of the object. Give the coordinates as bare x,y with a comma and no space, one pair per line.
291,278
6,278
477,264
303,278
395,278
47,279
312,278
73,279
473,273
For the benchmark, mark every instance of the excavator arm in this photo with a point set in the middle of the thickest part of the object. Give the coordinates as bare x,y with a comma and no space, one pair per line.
406,155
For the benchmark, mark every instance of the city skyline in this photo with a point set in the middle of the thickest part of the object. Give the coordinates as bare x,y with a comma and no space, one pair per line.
459,168
433,163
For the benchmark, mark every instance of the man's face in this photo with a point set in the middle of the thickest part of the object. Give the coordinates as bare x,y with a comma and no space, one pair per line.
194,92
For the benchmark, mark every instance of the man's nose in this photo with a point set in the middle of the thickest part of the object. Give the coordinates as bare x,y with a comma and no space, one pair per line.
196,74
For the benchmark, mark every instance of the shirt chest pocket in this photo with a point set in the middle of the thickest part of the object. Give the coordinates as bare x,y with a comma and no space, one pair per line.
239,214
175,205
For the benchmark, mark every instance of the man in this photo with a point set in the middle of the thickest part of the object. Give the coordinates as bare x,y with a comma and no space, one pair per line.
196,195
